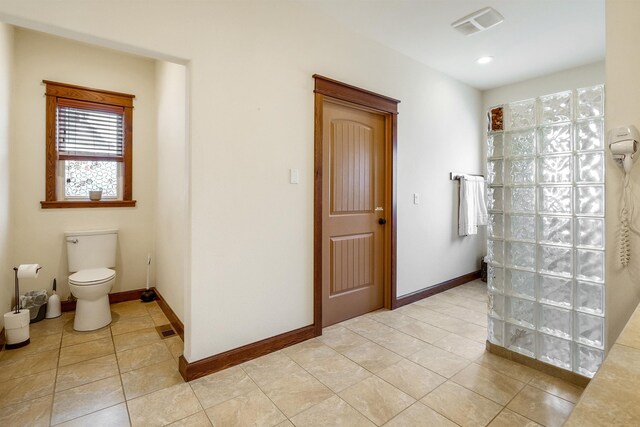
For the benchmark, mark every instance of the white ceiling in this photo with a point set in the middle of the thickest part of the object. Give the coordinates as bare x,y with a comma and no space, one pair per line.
537,37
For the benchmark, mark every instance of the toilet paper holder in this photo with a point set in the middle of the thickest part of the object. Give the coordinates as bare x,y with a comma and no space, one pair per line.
16,324
30,271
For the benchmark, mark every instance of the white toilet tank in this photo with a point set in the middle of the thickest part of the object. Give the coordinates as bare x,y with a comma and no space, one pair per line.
91,249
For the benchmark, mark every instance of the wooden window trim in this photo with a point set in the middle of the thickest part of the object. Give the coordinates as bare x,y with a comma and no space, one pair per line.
101,99
81,93
90,105
87,204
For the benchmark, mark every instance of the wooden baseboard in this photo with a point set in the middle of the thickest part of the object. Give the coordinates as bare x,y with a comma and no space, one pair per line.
114,298
68,306
175,322
133,295
548,369
218,362
125,296
440,287
200,368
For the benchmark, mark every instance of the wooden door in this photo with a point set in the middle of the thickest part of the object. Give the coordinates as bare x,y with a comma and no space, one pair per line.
353,211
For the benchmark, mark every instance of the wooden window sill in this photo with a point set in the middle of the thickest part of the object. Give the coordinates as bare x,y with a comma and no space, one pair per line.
64,204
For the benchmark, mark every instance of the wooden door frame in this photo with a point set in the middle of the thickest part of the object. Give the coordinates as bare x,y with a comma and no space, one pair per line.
326,88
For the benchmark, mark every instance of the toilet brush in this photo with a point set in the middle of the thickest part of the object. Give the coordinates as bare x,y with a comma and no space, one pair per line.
53,304
149,294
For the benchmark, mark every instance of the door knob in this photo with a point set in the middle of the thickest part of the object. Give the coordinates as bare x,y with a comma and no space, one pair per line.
382,221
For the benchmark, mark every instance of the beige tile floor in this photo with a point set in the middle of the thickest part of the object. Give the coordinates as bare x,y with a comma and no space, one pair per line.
424,364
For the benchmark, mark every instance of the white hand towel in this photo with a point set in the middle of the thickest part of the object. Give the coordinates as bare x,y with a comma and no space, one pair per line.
473,209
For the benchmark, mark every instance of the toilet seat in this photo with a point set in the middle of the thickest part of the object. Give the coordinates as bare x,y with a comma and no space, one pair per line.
93,276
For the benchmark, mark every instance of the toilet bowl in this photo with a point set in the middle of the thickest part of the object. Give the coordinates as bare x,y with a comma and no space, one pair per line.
91,256
91,288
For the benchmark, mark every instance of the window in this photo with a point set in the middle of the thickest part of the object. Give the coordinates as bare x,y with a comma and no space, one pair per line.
89,147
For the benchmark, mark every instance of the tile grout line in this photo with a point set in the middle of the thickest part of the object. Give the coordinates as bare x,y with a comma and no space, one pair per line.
57,367
434,409
334,393
260,388
84,415
124,395
395,363
231,398
119,374
503,373
371,374
451,380
265,394
172,359
392,327
548,392
55,381
511,400
441,314
90,382
421,340
396,330
382,379
430,344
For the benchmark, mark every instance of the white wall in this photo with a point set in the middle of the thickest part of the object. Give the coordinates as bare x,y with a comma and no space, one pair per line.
622,108
38,233
423,229
586,75
439,132
251,119
171,214
6,77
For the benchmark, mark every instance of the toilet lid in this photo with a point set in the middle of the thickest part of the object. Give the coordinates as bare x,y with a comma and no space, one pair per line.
91,276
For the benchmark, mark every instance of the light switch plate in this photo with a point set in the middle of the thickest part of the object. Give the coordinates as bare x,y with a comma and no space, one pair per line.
294,176
416,199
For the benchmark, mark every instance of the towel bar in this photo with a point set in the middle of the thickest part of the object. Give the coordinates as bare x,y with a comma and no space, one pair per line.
458,175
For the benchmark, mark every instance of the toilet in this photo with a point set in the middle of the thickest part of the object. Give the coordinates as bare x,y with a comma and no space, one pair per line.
91,256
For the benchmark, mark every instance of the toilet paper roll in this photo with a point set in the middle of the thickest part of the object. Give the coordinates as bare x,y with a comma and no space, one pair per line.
17,320
16,328
28,271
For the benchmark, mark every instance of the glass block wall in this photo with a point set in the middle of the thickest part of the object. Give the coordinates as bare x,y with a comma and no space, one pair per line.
545,171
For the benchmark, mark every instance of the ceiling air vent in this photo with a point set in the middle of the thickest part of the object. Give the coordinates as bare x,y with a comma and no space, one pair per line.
480,20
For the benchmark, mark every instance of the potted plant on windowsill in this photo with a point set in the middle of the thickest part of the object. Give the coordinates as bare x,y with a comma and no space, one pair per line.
95,195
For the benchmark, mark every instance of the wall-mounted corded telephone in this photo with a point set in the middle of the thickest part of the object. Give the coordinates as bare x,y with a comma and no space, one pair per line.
623,143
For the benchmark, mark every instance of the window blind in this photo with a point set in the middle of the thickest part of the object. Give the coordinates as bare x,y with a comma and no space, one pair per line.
89,131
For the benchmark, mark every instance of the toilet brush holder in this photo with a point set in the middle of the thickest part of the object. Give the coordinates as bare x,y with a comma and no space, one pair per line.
53,304
149,294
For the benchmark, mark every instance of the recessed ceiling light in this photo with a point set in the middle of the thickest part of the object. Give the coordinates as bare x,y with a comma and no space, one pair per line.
484,60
